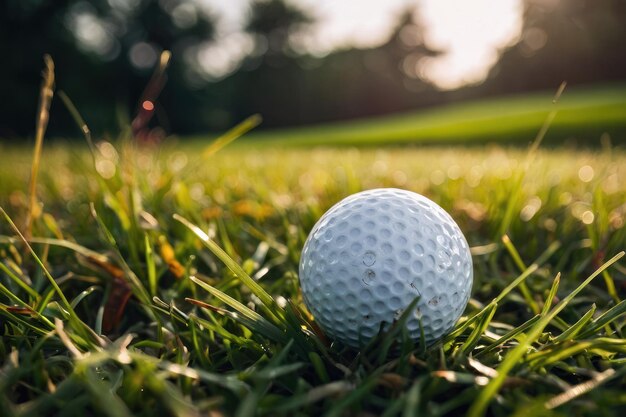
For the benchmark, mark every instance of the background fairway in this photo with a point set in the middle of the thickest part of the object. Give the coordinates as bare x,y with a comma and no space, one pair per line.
584,114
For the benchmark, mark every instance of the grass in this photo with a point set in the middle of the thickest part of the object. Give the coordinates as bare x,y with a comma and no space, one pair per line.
163,281
584,115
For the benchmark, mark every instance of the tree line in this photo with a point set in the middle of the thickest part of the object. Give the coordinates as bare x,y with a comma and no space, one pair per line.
105,51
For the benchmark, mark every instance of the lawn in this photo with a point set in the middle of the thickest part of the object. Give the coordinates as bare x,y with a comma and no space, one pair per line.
584,114
162,280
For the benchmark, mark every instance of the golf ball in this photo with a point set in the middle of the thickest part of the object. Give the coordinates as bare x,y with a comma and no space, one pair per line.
372,254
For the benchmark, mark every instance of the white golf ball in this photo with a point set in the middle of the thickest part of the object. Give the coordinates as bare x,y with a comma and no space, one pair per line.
376,251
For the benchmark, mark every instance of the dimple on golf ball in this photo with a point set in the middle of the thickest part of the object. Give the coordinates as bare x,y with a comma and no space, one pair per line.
372,254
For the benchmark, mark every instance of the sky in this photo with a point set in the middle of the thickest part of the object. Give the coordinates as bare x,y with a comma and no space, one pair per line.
470,32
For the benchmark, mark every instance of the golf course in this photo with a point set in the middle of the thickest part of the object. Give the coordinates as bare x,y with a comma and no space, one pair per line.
162,279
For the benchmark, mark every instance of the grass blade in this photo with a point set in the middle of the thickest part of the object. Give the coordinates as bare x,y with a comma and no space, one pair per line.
412,399
139,290
581,389
556,353
357,394
43,115
332,389
150,266
259,321
548,303
520,264
256,326
516,190
57,289
576,327
79,121
234,133
514,333
605,319
256,289
480,328
17,280
479,407
460,328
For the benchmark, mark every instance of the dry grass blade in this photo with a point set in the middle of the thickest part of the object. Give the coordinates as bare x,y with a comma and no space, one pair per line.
461,378
80,250
43,115
581,389
145,110
67,341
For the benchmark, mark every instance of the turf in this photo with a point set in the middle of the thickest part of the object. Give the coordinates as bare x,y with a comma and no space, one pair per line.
162,280
584,115
225,329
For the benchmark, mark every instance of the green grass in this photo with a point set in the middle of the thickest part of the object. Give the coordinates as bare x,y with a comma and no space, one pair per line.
163,280
225,329
584,115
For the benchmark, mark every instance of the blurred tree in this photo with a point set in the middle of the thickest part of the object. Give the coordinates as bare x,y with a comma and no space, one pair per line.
364,82
578,41
291,89
272,81
274,23
104,50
